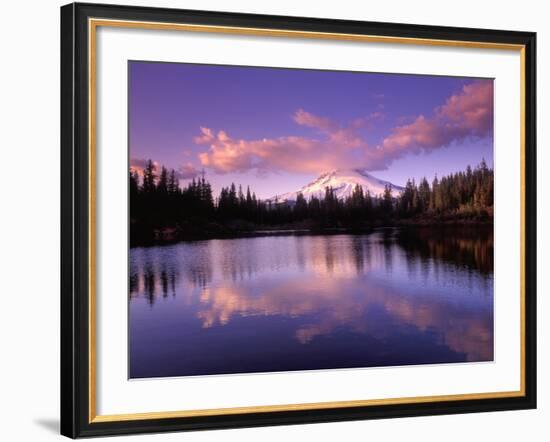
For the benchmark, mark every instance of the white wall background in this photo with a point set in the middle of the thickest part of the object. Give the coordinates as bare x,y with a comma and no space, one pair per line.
29,220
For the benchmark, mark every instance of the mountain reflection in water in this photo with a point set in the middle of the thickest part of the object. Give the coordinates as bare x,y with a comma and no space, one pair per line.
393,297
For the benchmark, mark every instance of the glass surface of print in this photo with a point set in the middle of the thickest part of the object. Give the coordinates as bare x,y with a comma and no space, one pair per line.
292,219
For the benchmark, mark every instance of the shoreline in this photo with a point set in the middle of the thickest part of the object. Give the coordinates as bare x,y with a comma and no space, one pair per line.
171,237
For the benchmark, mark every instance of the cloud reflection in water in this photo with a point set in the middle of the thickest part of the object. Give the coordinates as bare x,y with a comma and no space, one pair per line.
387,287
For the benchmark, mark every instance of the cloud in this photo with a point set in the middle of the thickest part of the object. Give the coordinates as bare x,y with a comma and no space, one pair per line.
468,113
306,119
187,172
337,146
138,164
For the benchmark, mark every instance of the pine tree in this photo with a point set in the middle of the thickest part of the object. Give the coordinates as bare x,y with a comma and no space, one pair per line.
424,195
242,201
357,197
173,185
368,204
300,208
149,178
207,198
134,183
249,205
162,186
387,200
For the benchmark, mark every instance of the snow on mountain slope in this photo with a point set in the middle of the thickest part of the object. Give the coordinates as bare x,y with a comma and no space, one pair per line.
343,182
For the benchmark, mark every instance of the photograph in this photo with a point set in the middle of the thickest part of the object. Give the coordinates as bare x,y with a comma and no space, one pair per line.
278,218
288,219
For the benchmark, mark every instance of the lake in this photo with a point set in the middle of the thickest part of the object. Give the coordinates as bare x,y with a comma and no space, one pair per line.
302,302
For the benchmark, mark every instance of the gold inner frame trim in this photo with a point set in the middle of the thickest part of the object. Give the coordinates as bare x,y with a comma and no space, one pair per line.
93,24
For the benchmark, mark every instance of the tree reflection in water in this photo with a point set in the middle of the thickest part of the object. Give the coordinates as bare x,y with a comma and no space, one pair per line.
400,296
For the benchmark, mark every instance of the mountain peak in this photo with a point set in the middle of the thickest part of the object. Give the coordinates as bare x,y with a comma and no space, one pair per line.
343,181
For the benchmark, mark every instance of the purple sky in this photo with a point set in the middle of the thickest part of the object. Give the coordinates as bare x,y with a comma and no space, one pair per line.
278,129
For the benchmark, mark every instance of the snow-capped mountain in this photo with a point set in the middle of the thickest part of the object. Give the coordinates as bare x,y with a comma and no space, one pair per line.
343,181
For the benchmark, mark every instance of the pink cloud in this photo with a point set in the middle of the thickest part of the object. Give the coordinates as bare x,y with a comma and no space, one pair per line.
464,115
468,113
306,119
187,171
336,148
138,164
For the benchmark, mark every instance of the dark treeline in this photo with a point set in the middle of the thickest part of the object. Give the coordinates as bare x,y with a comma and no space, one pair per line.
160,209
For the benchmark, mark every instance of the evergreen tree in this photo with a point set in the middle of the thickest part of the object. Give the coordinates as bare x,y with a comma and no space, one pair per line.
424,195
134,184
300,208
162,186
368,205
149,178
173,185
387,201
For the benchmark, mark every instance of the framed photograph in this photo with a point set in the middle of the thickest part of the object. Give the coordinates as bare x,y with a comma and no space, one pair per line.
275,220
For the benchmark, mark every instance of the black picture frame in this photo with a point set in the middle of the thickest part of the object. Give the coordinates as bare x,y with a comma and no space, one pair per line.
75,220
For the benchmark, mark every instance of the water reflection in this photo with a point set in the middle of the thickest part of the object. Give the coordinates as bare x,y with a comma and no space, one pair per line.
303,302
471,247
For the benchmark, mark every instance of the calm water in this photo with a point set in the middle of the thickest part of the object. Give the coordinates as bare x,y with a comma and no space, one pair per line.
392,297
